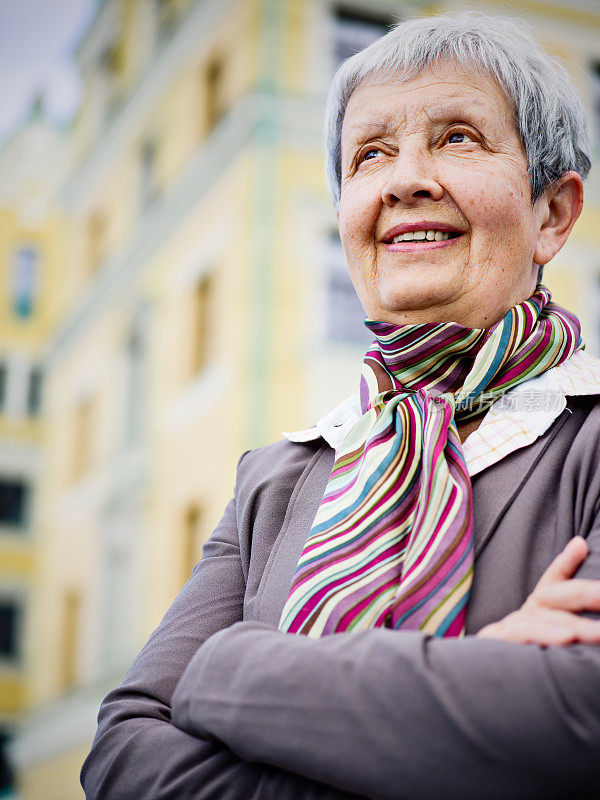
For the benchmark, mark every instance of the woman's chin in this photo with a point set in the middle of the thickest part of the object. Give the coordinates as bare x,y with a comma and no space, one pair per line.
416,304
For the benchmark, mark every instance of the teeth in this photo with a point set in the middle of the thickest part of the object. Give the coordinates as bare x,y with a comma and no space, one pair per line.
420,236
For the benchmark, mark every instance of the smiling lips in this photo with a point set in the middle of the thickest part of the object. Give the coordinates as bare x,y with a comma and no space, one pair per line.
419,236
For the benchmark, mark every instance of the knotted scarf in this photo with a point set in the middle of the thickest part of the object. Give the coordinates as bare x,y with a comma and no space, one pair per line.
392,542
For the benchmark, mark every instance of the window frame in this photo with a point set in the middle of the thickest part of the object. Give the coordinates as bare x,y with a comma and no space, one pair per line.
335,271
25,273
362,15
19,527
16,596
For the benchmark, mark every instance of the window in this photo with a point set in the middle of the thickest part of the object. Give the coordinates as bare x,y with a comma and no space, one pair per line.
354,30
148,182
14,502
120,590
6,773
25,283
345,315
71,611
595,70
166,17
34,392
82,438
10,613
111,65
3,383
192,541
96,236
214,106
136,352
202,307
110,60
592,339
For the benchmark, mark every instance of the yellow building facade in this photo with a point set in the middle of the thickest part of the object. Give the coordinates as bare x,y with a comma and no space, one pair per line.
207,308
32,252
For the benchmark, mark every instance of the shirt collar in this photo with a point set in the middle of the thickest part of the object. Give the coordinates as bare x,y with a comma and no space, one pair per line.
333,427
530,408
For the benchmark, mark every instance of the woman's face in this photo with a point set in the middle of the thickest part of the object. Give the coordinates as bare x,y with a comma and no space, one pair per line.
438,153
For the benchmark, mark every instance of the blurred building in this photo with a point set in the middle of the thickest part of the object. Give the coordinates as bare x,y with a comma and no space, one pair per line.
32,254
207,308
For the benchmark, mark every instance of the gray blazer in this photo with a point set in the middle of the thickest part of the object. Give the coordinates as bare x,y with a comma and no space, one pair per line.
255,713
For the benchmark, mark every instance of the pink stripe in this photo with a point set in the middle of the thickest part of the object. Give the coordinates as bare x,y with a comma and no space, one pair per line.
403,367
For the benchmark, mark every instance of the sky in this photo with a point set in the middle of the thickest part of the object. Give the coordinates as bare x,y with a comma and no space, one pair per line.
37,40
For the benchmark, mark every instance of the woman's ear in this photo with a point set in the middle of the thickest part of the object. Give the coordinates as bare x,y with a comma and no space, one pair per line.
561,205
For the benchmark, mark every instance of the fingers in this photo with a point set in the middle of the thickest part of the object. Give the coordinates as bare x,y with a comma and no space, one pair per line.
550,615
576,594
566,563
545,627
561,628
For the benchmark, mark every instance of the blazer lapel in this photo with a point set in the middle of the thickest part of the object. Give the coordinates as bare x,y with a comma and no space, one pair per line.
283,560
495,488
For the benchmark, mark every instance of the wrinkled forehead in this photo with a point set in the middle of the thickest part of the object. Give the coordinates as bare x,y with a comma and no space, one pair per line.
447,90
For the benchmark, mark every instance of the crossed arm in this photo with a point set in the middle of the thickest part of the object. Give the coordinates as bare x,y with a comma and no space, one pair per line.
264,715
138,752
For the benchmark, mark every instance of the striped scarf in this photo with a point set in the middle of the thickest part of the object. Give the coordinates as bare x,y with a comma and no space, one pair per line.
392,543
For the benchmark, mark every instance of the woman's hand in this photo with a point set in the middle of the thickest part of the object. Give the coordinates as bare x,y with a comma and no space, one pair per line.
550,615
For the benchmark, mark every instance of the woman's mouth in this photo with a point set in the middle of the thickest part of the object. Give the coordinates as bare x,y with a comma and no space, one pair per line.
422,236
429,239
426,234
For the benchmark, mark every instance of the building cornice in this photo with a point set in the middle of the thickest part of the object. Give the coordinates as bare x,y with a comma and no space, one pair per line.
191,37
583,6
576,11
101,28
300,122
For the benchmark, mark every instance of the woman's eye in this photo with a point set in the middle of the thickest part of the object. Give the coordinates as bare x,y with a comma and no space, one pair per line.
459,138
368,155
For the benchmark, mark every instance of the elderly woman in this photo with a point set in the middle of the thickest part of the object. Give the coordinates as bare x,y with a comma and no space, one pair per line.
441,515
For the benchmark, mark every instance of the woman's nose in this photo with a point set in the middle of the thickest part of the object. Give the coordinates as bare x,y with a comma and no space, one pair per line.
409,179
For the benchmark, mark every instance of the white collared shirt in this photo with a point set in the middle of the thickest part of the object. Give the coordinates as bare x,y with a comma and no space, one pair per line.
515,420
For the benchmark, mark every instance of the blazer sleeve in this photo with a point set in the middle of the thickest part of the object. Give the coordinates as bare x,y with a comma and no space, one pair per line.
138,752
401,715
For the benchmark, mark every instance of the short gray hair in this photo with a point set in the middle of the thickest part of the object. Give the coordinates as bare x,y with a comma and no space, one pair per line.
549,116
